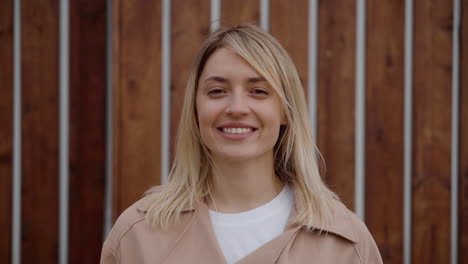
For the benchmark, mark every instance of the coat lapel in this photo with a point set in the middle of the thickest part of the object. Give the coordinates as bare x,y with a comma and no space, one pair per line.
199,239
271,251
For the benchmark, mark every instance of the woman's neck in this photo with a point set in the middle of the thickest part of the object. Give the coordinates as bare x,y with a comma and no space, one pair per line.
242,186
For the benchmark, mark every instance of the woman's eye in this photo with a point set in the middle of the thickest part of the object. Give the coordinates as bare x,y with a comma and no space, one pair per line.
215,91
259,91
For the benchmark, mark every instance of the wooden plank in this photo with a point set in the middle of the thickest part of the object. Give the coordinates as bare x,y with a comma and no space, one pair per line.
39,131
432,131
289,24
137,102
6,127
336,93
463,134
87,129
384,126
237,12
116,207
190,26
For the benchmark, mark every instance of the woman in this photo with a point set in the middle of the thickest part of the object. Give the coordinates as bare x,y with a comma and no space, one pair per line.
245,185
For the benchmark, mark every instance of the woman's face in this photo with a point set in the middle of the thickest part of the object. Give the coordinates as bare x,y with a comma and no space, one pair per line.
239,114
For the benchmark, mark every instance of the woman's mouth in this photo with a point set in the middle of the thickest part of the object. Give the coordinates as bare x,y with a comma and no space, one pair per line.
236,130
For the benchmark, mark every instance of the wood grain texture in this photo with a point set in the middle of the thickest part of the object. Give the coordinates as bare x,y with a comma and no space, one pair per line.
463,134
336,93
39,132
137,101
237,12
289,24
432,131
87,129
190,26
6,127
384,126
115,71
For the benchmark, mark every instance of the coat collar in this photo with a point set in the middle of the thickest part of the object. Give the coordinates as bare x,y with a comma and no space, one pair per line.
341,224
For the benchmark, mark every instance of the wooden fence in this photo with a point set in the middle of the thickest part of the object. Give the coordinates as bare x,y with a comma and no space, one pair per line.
396,153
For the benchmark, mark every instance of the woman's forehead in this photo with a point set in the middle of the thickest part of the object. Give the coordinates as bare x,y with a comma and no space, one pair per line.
224,61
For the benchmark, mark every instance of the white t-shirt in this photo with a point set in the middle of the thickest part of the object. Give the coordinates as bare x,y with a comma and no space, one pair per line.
241,233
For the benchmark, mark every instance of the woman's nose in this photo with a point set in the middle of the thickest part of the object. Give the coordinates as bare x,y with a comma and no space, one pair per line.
237,105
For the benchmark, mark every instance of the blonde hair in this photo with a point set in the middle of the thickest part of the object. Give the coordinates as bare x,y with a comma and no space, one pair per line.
296,156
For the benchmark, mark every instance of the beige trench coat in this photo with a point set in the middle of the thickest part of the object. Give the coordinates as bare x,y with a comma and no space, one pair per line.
133,241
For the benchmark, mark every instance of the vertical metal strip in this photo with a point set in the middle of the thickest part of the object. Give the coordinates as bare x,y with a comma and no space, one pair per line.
64,68
455,131
360,109
109,122
408,128
215,15
16,194
166,93
265,14
312,61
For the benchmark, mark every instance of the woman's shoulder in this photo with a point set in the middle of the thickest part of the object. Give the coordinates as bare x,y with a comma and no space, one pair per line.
134,221
129,219
346,223
350,226
134,228
343,239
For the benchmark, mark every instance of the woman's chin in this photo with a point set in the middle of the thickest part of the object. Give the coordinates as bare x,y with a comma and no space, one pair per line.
238,156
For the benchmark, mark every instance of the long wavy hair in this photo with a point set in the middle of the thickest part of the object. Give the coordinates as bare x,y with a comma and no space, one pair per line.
296,156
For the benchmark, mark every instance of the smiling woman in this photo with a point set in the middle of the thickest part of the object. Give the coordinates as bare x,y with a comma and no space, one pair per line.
245,185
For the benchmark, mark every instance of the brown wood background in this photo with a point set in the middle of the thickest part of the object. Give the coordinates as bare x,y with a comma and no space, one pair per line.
136,69
336,79
384,126
190,24
87,128
40,147
137,105
6,127
432,131
241,11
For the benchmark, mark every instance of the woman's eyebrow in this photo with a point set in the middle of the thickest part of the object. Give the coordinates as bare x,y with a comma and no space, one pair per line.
256,80
216,79
224,80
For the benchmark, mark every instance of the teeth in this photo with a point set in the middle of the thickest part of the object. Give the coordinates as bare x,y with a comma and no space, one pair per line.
236,130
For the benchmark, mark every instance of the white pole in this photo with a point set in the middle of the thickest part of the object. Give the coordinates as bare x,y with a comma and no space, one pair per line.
64,130
360,108
265,14
215,15
455,132
312,61
166,92
16,192
408,128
